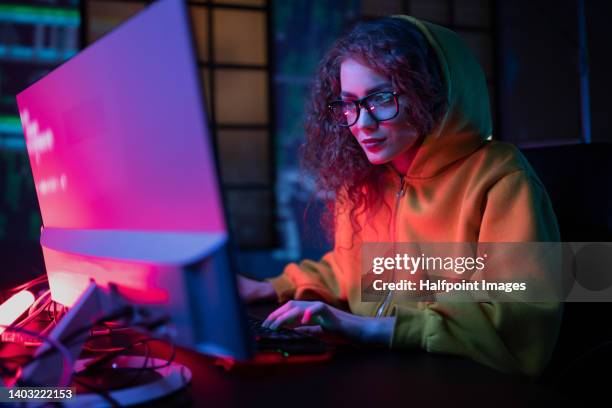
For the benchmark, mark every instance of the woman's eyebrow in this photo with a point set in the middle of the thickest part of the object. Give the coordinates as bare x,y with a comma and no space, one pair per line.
376,88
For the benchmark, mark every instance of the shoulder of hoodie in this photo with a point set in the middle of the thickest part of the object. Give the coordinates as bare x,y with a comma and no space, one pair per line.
498,160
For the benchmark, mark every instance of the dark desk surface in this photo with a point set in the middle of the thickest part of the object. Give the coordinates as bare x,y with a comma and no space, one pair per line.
370,377
365,377
380,378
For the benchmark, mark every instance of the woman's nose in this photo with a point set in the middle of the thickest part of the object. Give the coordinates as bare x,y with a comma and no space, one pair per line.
365,119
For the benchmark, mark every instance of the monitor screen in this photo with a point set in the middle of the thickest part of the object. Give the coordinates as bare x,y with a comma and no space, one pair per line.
117,136
127,183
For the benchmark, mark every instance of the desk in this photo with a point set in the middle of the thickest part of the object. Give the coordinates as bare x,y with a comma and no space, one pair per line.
354,378
375,377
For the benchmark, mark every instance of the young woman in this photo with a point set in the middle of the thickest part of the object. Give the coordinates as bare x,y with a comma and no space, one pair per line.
399,129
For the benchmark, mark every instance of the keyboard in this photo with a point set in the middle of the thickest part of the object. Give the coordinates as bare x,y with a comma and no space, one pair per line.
284,340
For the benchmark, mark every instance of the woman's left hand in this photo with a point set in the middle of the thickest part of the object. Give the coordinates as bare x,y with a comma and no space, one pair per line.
352,327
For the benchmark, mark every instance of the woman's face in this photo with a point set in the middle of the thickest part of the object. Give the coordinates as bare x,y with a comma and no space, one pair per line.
386,141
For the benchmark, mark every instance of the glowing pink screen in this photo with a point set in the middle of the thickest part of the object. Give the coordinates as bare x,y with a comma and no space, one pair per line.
117,136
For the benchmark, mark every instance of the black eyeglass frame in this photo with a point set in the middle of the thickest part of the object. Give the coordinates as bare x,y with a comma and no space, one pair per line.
360,103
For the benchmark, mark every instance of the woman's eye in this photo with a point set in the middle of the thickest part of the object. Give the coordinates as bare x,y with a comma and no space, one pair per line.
384,99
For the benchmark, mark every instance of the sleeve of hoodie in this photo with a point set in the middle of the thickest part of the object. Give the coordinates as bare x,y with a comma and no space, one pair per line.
310,280
511,337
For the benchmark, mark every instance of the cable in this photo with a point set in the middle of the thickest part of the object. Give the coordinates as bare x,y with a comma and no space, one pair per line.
169,360
102,350
128,311
67,362
41,298
145,367
52,319
67,340
33,315
29,284
66,357
142,369
109,331
109,358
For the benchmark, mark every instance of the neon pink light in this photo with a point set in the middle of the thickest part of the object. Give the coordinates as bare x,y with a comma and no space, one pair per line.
14,307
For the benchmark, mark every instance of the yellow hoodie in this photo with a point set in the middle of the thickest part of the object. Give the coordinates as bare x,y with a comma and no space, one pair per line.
461,187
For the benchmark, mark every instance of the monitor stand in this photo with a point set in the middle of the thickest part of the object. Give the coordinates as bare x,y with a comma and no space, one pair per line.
53,368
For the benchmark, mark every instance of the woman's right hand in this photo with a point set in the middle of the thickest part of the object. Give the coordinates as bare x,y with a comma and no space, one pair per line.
252,291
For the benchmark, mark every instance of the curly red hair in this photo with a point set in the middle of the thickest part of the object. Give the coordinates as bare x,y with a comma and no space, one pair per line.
395,48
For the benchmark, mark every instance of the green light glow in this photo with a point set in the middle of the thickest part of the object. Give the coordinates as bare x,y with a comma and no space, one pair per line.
10,124
38,15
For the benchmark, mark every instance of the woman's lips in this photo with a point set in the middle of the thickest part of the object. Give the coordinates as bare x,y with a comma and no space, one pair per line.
373,144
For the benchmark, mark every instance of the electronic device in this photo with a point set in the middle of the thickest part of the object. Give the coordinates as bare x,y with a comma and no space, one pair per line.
128,188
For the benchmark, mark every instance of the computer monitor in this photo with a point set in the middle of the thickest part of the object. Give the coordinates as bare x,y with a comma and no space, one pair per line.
129,193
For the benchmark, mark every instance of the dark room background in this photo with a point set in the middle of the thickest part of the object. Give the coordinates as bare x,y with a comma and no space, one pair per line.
546,62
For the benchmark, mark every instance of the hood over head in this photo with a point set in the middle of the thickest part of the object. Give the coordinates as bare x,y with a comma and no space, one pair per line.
467,123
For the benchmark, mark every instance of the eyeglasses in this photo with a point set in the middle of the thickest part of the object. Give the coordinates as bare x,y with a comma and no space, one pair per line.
381,105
